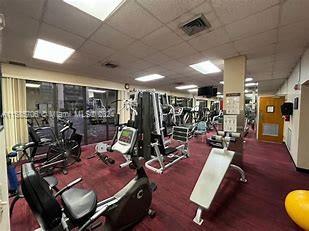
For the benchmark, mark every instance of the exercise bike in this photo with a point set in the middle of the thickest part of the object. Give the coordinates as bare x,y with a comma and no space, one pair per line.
13,183
80,208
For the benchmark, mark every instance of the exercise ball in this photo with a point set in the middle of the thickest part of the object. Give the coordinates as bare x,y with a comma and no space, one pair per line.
297,207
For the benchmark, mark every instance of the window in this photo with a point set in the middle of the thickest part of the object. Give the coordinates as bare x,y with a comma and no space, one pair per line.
101,111
92,110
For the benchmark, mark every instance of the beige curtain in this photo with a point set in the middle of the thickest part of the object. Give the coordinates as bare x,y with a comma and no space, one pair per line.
124,115
14,109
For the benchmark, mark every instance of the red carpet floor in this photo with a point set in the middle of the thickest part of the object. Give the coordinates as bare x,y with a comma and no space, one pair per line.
256,205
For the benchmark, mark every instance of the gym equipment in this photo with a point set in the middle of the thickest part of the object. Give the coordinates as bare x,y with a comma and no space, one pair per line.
174,154
296,205
62,153
100,150
153,147
217,141
168,112
211,177
13,184
80,208
201,129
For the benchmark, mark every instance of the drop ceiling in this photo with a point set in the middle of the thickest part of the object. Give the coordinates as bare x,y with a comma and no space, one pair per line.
143,37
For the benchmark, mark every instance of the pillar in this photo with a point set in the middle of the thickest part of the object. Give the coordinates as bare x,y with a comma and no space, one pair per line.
234,90
234,85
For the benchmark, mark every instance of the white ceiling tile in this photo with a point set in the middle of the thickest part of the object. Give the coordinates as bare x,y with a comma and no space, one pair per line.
263,76
133,20
140,50
110,37
56,35
17,48
121,58
254,24
172,65
169,10
162,38
69,18
188,60
209,40
138,65
294,31
20,25
260,51
179,51
95,49
81,60
29,8
294,11
291,46
255,42
158,58
222,52
233,10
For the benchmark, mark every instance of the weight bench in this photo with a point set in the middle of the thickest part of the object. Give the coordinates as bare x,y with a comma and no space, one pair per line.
175,154
210,179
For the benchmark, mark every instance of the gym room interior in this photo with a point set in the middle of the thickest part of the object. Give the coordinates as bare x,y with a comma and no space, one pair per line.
154,115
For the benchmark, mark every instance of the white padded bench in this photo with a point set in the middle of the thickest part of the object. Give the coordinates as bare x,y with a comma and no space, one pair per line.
208,183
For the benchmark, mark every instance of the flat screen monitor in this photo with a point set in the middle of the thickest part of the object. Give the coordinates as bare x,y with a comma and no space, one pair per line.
207,91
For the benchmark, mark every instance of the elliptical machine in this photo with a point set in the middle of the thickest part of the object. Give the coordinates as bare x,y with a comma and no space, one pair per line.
80,208
62,153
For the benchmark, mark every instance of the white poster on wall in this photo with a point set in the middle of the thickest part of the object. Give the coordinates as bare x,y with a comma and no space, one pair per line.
230,123
232,105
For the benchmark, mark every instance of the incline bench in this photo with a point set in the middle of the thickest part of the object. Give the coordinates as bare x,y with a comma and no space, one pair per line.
208,183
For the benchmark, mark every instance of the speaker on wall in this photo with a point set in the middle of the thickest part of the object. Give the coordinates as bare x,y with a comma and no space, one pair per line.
287,108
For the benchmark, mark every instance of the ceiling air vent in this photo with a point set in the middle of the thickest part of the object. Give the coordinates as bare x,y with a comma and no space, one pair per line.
195,25
110,65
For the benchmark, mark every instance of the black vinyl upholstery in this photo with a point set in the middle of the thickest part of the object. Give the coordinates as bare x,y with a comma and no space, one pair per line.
40,197
79,204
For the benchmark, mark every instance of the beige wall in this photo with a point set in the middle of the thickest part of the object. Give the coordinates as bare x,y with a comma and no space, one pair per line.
4,219
300,75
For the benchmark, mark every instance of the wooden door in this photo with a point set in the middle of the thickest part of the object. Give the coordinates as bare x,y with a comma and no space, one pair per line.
270,119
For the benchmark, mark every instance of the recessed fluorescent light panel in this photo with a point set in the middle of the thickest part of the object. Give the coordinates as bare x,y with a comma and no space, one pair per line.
185,87
251,84
51,52
96,91
193,90
152,77
205,67
33,85
99,9
249,79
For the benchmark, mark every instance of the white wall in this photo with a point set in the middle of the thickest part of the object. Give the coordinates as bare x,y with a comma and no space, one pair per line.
4,218
300,75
